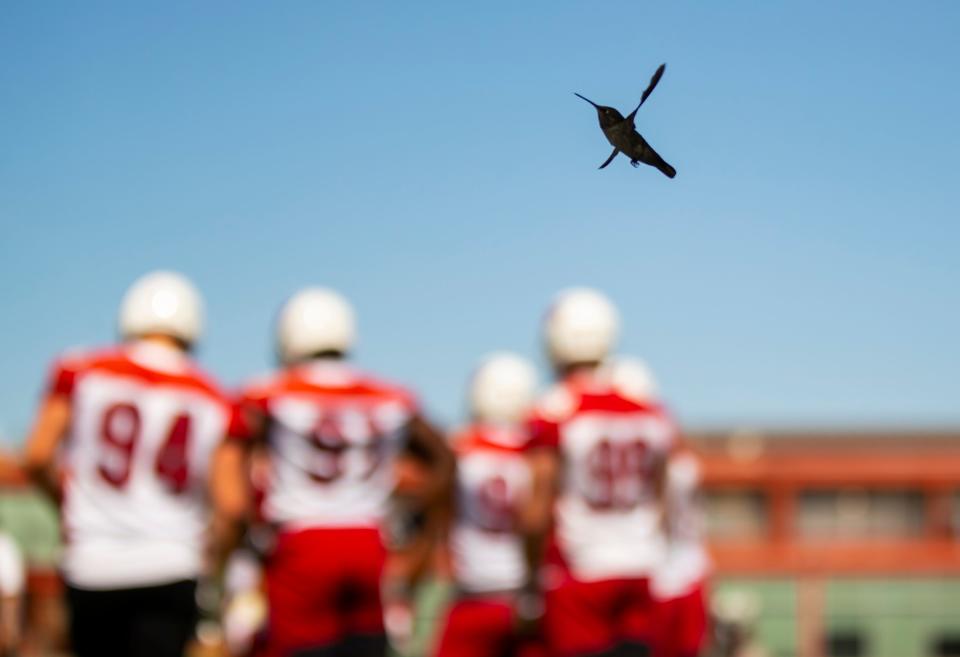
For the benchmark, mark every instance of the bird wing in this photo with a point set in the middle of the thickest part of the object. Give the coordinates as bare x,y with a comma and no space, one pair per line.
649,90
610,159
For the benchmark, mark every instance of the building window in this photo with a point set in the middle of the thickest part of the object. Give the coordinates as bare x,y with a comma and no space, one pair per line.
860,514
736,514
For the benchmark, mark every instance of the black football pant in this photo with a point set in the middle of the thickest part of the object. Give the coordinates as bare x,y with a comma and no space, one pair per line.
373,645
150,621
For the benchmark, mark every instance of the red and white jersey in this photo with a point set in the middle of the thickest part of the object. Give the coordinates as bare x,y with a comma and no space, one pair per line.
332,434
144,422
493,479
687,564
607,516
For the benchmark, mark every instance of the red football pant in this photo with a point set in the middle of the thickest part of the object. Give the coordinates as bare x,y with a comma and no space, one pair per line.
682,624
584,618
477,627
323,585
484,627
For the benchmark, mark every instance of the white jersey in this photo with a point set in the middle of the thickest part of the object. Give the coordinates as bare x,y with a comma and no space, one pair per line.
687,563
144,422
607,516
332,436
492,480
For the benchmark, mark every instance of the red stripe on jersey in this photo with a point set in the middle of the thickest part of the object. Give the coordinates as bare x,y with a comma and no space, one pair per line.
351,388
574,396
118,362
61,380
543,434
478,437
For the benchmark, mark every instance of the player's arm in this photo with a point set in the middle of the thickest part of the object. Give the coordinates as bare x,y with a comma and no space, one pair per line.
10,622
543,460
230,480
537,514
535,519
429,505
658,476
660,465
40,452
424,439
417,548
229,494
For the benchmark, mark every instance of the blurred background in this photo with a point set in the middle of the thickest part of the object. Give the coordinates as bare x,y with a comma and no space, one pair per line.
794,288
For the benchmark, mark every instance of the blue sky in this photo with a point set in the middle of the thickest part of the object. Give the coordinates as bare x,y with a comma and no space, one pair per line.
430,161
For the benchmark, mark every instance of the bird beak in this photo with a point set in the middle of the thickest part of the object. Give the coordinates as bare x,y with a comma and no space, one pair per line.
586,99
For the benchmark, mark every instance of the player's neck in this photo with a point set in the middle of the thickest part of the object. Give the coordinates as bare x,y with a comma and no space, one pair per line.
159,341
496,425
327,370
158,353
579,371
501,432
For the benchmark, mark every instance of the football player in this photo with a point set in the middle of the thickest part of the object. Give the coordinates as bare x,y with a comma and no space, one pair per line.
331,434
598,456
492,484
679,583
123,438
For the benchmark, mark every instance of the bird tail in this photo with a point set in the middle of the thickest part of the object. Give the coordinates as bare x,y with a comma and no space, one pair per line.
659,162
666,169
645,153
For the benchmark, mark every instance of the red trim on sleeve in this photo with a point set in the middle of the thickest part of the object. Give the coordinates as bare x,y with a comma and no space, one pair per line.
63,377
238,428
544,433
241,409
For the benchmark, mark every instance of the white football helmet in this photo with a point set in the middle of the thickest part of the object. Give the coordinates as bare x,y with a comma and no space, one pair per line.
164,303
314,320
632,378
502,388
581,326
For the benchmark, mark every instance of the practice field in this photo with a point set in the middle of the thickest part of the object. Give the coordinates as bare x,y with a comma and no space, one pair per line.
899,617
827,615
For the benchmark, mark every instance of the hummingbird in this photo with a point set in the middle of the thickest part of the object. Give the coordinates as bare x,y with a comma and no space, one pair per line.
622,132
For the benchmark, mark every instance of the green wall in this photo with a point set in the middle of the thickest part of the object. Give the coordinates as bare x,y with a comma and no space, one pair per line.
32,521
897,617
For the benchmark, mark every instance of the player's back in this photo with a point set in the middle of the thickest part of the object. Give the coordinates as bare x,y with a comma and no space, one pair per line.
612,447
493,479
144,422
332,433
